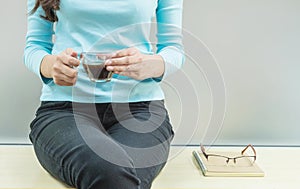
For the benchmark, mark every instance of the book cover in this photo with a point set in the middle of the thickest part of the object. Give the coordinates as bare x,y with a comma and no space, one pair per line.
218,167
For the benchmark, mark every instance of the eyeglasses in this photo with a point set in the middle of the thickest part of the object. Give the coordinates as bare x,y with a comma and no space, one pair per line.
251,157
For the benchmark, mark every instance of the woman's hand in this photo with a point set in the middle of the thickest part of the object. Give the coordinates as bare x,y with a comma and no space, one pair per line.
61,67
132,63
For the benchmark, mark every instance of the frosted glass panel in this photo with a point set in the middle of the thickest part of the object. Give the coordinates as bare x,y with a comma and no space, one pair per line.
255,43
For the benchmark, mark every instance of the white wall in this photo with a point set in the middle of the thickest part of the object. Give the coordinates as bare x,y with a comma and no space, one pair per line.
19,88
257,46
255,43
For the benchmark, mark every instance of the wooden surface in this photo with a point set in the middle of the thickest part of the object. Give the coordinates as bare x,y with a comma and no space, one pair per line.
20,169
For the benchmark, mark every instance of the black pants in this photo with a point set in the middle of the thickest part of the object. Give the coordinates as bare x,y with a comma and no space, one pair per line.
109,145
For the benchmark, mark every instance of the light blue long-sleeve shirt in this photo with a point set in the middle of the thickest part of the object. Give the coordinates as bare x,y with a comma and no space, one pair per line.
106,25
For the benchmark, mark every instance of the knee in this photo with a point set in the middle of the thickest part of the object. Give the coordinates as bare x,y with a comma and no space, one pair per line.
95,172
115,176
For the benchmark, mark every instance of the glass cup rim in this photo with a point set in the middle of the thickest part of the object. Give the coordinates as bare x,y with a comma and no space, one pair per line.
96,52
94,57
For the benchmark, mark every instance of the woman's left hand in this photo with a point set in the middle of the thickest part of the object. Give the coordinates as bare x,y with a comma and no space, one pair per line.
132,63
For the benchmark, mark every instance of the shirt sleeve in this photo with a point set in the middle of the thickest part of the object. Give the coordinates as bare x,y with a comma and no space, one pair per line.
169,34
38,40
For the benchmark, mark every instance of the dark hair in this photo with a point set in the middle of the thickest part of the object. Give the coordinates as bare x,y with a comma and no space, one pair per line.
49,7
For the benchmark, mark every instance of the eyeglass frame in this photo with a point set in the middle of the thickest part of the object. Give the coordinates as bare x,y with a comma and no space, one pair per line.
229,158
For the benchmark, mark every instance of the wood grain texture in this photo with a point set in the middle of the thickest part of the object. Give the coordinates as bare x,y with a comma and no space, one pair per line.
20,169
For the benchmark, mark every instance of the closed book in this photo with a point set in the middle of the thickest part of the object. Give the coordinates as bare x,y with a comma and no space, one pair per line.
218,167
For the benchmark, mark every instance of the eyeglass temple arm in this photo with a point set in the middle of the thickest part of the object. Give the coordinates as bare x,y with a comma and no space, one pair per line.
249,145
202,148
203,151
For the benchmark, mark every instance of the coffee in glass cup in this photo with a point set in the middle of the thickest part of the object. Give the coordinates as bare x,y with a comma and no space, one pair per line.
94,65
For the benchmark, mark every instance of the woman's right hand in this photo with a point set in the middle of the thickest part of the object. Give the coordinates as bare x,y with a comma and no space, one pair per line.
61,67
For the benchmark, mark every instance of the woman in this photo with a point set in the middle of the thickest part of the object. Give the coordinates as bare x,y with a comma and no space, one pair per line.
114,134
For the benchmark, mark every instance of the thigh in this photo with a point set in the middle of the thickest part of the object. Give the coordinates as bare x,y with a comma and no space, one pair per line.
52,131
144,131
74,149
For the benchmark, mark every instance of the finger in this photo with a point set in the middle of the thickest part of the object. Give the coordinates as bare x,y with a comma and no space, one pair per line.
117,69
65,70
74,54
124,60
62,83
69,51
125,68
69,58
70,72
125,52
61,79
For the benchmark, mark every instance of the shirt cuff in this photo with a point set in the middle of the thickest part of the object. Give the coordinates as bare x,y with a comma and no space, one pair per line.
173,59
38,57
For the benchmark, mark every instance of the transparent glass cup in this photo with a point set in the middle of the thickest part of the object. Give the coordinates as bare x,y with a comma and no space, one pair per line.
93,64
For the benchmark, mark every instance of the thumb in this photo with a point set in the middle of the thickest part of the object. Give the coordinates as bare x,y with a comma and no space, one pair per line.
74,54
71,52
71,61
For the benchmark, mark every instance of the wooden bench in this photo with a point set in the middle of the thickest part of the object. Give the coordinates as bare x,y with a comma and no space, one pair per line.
19,169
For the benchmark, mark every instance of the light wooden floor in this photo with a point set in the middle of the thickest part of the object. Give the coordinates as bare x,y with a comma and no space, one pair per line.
20,169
